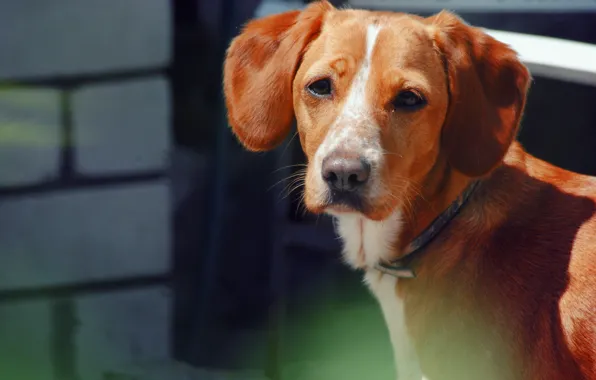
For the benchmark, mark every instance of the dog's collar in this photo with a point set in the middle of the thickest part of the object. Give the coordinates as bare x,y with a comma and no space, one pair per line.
401,267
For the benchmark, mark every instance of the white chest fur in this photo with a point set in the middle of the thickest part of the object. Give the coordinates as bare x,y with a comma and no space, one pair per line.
365,243
384,287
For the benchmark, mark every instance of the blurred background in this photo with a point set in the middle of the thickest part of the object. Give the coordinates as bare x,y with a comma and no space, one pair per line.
139,241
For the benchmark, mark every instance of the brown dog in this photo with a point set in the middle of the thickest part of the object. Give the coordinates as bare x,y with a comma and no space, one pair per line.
482,257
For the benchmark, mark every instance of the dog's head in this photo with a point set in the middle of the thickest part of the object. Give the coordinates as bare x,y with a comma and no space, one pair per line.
380,99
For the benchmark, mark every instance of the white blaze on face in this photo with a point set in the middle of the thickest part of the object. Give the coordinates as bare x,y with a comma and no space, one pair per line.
355,130
356,107
366,242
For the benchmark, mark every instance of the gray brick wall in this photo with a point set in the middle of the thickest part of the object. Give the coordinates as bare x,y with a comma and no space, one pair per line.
81,236
65,37
105,330
85,205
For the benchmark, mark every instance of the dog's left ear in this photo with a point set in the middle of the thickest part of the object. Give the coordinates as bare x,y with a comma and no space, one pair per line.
487,85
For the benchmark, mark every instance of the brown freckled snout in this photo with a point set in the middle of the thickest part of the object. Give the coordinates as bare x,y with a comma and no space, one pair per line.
345,172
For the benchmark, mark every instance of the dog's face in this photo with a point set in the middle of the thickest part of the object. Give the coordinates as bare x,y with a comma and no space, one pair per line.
370,98
380,99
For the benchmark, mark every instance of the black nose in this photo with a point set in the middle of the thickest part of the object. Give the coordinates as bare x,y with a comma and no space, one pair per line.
344,172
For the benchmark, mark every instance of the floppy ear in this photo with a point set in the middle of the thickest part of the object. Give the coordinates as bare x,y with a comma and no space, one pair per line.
488,86
259,70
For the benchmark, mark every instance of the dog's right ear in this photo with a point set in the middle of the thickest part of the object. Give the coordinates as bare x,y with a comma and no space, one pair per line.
488,85
259,70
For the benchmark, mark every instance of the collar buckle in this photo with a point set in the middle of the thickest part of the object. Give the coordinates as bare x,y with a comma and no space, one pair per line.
396,269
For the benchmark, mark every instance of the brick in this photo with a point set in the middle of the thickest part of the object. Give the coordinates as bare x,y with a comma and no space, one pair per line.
29,135
85,235
123,327
25,345
122,127
69,37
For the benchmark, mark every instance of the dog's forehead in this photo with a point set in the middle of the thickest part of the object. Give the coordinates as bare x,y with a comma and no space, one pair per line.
346,31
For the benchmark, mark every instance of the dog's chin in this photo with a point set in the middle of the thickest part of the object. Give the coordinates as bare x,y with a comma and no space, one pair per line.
333,209
338,209
369,211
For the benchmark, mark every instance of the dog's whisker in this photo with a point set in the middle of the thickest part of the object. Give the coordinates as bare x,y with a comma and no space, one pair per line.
288,167
298,174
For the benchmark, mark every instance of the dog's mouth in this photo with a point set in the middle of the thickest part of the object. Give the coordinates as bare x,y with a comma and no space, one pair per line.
343,202
337,203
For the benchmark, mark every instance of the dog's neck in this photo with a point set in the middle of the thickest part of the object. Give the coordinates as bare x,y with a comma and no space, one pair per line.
441,187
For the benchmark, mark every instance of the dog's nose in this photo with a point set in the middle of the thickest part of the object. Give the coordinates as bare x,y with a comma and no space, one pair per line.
344,172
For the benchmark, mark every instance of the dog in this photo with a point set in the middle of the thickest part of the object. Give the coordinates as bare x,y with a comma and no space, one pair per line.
481,256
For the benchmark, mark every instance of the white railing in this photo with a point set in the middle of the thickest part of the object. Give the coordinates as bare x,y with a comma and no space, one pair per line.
552,57
535,6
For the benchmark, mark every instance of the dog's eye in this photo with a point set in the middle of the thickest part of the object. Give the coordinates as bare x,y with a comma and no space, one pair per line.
408,100
322,87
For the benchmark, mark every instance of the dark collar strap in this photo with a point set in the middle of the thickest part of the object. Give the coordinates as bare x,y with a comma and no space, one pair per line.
401,267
